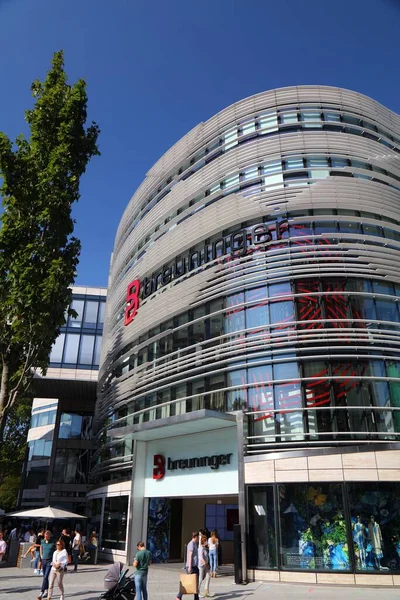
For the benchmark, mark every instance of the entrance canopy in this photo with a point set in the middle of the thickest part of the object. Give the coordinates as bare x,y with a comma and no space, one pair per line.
194,422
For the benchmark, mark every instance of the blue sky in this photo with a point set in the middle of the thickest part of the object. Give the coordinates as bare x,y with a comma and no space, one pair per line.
156,68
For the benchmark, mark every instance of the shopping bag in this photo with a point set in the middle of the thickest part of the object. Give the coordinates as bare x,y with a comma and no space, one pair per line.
188,583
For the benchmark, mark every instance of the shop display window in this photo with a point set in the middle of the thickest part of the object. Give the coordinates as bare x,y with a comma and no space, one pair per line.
312,525
114,522
262,530
375,524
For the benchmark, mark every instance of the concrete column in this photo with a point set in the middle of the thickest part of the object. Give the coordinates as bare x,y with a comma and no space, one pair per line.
137,523
241,430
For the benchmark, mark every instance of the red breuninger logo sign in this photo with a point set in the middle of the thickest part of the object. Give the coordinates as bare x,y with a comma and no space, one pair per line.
159,466
132,299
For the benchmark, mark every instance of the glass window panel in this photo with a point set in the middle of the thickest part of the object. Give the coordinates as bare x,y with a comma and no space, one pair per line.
322,227
262,546
43,419
301,229
76,305
294,163
231,138
90,318
290,423
52,417
387,311
311,119
233,180
102,308
273,181
57,350
71,348
38,449
351,120
382,287
349,227
235,315
332,117
259,293
215,188
248,127
260,391
281,312
317,162
392,235
268,121
288,117
339,163
237,399
313,532
86,349
256,317
296,181
97,350
286,370
250,173
275,166
375,523
279,289
318,173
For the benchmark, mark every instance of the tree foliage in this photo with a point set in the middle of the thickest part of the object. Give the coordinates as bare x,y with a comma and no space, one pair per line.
12,452
38,253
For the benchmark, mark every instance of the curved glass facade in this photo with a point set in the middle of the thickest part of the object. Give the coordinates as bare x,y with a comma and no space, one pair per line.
266,245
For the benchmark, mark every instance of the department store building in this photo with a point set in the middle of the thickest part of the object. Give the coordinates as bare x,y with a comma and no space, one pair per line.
250,365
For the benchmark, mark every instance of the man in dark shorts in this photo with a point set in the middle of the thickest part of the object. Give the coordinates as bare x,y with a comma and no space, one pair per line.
141,563
192,558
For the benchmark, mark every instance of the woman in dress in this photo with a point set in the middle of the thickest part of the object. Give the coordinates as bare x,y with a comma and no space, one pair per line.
213,552
60,560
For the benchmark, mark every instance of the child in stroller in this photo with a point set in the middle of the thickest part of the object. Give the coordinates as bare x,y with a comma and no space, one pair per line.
118,585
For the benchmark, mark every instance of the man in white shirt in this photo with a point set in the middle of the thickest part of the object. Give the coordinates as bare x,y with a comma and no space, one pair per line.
3,546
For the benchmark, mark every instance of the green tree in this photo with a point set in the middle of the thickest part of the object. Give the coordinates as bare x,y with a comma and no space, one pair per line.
38,253
12,452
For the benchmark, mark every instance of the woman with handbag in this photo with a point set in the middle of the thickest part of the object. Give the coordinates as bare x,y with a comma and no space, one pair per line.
60,560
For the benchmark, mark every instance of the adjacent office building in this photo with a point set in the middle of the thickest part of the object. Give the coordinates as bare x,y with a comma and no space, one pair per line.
60,440
250,367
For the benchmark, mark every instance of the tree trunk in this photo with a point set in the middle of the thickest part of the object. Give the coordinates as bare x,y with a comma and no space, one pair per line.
4,396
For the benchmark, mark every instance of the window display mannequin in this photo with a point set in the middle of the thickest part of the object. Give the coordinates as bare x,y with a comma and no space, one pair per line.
360,538
375,539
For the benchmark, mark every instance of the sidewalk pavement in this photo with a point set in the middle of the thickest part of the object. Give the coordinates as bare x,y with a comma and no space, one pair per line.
87,584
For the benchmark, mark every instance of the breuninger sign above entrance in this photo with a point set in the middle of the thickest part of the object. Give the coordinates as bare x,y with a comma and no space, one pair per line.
214,462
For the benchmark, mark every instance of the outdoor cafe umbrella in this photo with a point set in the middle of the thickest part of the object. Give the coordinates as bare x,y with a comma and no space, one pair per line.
47,513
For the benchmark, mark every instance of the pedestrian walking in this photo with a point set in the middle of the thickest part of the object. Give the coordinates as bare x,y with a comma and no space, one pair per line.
58,563
66,538
47,548
3,547
141,563
213,543
76,548
204,568
192,560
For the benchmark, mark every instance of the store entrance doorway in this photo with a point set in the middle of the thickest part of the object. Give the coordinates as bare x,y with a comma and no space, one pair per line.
171,522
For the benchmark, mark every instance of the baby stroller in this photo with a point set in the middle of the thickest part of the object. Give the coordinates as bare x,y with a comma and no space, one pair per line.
118,585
